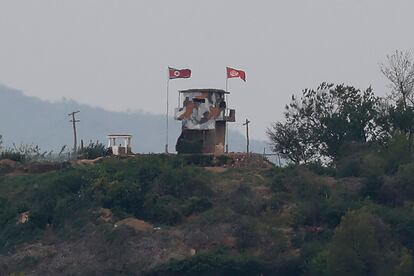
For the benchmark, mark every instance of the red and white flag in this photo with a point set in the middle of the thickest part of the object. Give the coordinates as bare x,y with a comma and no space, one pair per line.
179,73
234,73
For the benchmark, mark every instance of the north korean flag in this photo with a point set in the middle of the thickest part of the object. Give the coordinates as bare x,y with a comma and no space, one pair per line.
235,73
179,73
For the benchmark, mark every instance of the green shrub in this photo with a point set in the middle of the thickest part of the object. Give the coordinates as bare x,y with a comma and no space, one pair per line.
196,205
391,193
372,186
320,169
308,213
373,165
201,160
318,265
276,203
243,201
278,184
220,264
329,211
246,234
349,167
24,153
399,219
396,153
300,182
156,188
92,151
163,209
183,183
362,245
124,195
13,155
406,179
361,160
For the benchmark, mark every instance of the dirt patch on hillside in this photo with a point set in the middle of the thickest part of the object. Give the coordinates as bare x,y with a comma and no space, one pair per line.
8,163
136,224
215,169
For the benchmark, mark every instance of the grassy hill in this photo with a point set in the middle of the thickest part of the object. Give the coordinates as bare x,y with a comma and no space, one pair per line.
162,215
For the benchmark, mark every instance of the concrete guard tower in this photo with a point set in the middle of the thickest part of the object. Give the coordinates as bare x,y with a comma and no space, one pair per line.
204,116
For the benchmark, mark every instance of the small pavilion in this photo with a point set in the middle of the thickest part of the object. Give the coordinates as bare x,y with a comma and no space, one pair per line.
123,148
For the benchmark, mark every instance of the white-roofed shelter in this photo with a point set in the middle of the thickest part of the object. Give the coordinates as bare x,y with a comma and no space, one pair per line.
123,148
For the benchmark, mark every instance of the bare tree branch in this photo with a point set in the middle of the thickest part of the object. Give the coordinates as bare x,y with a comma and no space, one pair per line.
399,70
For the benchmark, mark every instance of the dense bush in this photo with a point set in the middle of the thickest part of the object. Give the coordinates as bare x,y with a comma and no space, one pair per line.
406,180
321,169
246,235
199,159
321,121
362,245
13,155
265,213
396,153
196,205
217,263
92,151
25,153
159,189
162,209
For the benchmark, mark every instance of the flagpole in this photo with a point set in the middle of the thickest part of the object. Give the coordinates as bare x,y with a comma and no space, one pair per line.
166,117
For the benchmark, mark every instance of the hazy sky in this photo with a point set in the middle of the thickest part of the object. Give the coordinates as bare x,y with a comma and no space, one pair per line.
115,54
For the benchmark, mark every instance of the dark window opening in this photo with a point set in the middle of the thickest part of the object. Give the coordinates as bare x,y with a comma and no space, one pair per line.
199,100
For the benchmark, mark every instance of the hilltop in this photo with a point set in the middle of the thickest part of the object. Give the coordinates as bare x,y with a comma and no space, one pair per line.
47,124
171,215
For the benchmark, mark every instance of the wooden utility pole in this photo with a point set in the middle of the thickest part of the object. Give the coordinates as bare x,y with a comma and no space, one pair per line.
247,133
74,121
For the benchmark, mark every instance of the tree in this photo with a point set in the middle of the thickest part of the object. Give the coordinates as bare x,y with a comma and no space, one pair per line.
362,245
322,121
399,70
292,140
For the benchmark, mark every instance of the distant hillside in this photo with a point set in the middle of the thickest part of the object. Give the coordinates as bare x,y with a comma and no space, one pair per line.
30,120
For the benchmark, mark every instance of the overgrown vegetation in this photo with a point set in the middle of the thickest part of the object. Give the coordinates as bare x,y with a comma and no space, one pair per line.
92,151
343,207
366,140
336,226
324,123
158,189
30,153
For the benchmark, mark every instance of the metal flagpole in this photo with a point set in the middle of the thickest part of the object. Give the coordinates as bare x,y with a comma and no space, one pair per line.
166,117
